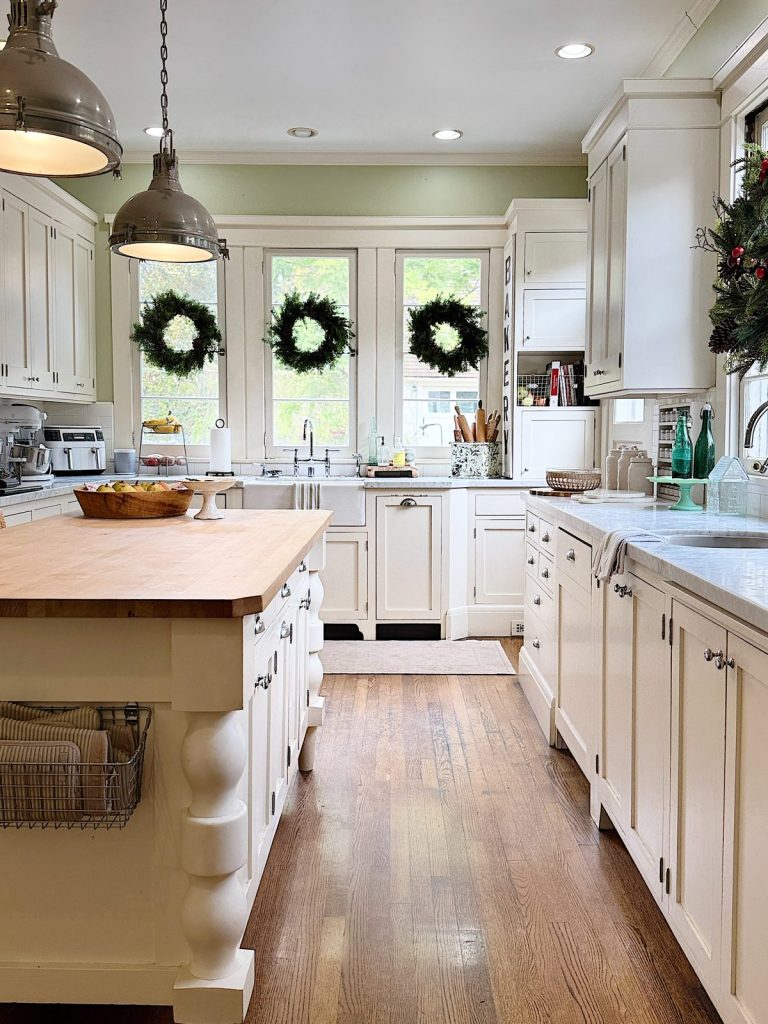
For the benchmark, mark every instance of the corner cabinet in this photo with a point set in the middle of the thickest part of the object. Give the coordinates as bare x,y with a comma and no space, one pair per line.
653,168
47,293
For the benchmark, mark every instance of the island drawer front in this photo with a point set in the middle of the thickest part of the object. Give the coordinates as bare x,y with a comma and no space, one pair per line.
539,603
574,559
493,504
547,535
532,527
546,573
532,561
540,645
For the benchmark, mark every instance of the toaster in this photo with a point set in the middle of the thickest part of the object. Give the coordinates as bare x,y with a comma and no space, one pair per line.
78,450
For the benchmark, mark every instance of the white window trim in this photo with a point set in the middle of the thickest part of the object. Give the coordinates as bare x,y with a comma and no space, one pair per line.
194,452
279,453
435,452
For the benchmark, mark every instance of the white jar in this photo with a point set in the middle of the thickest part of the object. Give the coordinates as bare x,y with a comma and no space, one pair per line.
640,468
626,457
612,469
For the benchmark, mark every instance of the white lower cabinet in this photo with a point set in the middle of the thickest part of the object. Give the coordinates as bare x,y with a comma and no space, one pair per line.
499,561
409,557
345,579
575,703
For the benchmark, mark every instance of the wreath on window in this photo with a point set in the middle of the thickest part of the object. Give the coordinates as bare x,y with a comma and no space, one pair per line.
149,334
337,332
467,321
739,240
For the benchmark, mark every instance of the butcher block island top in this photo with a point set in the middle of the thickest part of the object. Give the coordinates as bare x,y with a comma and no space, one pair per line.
70,566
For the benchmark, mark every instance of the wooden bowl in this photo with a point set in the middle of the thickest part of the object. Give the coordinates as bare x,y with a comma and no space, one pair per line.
133,504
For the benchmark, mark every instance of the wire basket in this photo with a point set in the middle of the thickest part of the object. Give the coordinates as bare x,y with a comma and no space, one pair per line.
58,791
533,390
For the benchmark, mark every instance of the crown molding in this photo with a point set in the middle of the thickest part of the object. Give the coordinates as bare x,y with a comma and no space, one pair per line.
683,32
555,158
749,53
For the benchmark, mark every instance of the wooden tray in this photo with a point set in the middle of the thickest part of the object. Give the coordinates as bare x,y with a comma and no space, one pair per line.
133,504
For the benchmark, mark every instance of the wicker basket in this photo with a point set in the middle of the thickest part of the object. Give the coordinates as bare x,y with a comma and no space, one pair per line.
573,480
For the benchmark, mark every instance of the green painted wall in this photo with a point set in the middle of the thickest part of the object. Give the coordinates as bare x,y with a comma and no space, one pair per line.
312,190
726,28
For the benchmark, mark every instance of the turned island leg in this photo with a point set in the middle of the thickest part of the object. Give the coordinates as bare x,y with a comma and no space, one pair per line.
315,564
215,987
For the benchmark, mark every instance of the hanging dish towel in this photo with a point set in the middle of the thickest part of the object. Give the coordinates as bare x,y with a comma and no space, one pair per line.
610,555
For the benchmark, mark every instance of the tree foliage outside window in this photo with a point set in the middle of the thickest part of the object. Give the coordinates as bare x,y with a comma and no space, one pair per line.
323,397
194,400
425,421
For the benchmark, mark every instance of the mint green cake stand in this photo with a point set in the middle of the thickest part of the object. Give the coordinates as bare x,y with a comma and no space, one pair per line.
685,502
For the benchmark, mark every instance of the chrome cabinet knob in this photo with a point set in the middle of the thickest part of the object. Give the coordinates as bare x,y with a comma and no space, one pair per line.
545,538
285,591
730,662
532,528
708,655
264,681
302,566
537,599
531,560
408,503
719,661
258,626
535,643
286,631
622,591
545,574
571,555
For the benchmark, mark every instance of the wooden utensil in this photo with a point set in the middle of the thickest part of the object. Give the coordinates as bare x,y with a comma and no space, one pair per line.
461,419
456,431
480,423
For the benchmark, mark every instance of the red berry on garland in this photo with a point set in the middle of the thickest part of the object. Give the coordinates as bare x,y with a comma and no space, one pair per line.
760,273
764,164
737,252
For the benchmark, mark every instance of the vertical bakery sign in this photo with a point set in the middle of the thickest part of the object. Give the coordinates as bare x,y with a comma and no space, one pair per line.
506,420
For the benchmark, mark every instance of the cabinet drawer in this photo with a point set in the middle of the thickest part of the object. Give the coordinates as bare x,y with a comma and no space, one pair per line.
547,534
574,558
17,518
546,572
499,505
540,603
540,645
531,560
532,527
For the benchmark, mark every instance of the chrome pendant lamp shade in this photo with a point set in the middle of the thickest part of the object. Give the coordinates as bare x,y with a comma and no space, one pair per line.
53,120
164,223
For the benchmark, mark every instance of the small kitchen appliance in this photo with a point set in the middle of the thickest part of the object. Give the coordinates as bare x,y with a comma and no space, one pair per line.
23,462
78,450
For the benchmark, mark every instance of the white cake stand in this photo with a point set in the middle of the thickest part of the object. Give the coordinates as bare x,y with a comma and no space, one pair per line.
209,489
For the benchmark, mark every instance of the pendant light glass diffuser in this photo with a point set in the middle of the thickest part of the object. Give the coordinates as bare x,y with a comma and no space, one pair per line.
53,120
164,223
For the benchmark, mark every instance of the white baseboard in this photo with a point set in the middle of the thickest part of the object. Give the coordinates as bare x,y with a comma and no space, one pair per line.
539,696
117,984
484,620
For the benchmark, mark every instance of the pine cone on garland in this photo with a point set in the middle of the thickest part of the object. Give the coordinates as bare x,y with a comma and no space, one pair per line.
722,338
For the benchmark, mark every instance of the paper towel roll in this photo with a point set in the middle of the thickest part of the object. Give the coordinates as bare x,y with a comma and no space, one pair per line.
221,449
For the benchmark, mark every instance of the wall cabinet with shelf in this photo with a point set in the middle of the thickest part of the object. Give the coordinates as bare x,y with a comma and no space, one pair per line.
653,168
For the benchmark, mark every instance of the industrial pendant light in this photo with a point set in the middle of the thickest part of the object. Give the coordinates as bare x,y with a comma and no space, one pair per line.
164,223
53,120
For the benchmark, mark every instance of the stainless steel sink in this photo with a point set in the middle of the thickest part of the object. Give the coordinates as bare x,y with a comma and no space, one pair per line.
720,540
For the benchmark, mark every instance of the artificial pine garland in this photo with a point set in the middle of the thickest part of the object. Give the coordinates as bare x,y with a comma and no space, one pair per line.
740,242
465,320
149,334
337,332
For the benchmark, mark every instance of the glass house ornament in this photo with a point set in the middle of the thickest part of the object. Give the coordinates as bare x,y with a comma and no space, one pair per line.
728,487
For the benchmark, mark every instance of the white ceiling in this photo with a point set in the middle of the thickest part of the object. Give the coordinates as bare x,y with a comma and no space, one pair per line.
373,76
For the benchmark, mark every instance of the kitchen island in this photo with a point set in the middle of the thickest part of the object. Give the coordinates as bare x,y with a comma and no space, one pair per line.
213,628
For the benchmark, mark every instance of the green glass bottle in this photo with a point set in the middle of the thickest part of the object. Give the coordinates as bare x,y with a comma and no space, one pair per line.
704,451
682,450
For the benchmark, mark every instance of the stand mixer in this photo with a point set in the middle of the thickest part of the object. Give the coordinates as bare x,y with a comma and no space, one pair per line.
24,464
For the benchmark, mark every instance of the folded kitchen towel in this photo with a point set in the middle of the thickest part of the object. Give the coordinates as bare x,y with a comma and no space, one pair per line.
96,775
610,555
39,781
85,717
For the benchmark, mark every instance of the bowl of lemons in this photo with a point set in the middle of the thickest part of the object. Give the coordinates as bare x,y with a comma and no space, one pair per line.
141,499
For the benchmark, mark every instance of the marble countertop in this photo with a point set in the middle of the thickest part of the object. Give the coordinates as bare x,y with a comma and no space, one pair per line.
733,579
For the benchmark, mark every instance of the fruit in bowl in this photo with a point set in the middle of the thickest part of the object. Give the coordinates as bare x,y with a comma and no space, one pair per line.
125,500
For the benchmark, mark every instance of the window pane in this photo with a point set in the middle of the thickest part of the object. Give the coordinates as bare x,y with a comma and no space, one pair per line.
428,398
754,393
323,397
193,400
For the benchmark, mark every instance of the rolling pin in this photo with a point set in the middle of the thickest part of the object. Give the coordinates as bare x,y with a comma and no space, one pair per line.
480,424
456,431
461,419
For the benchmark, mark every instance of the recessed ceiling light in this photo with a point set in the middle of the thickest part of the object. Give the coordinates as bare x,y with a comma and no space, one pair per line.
303,133
447,134
575,51
155,130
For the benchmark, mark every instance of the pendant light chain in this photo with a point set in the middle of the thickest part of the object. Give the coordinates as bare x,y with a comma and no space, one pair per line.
164,64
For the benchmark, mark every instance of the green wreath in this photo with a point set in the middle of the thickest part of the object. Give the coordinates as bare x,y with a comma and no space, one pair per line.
465,320
337,332
739,240
149,334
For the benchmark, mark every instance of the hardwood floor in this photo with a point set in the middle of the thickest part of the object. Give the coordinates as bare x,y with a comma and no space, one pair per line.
440,867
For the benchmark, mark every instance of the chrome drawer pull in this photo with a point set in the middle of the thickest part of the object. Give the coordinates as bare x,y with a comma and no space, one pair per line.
571,555
545,574
264,681
302,566
258,626
545,538
537,600
622,591
536,643
532,528
286,631
408,503
286,591
531,560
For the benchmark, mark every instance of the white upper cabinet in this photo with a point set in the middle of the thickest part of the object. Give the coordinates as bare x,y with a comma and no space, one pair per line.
47,295
555,258
553,319
653,168
553,439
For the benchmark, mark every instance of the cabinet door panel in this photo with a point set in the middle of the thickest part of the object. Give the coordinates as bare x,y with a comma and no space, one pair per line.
14,339
597,284
617,240
64,261
41,347
259,789
557,438
576,707
408,557
499,561
697,781
553,320
616,718
555,257
345,577
745,904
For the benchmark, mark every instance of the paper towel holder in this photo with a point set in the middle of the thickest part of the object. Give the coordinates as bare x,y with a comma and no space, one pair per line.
219,424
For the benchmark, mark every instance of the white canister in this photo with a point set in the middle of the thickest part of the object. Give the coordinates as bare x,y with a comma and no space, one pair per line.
125,461
612,469
626,457
640,468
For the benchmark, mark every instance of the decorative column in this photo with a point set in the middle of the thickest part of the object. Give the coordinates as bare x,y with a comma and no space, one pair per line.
315,564
215,987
